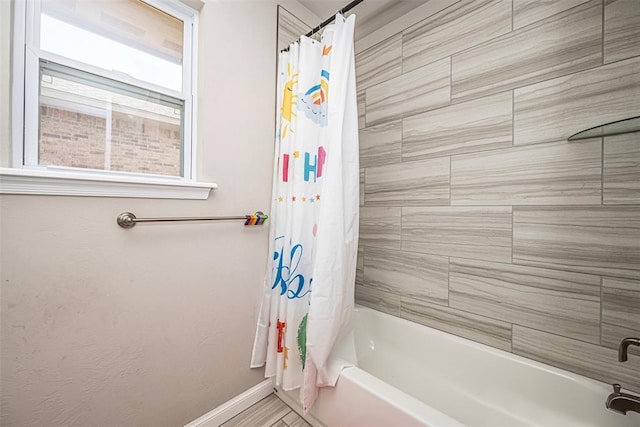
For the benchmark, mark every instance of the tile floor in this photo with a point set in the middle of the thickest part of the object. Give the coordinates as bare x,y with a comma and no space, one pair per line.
269,412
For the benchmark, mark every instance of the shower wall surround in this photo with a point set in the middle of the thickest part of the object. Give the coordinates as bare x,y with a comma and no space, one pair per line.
478,217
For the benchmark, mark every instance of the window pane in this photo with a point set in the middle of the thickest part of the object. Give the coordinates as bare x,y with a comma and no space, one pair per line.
121,35
90,122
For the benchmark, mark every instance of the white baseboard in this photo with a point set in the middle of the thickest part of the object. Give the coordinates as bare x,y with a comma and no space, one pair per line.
233,407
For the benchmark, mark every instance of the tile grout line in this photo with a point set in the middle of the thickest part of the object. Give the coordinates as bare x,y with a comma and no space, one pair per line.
413,116
512,232
546,79
513,117
602,38
448,281
474,98
458,51
402,140
422,21
365,107
450,161
401,216
600,324
537,22
492,151
282,418
511,324
511,350
402,52
602,171
561,336
552,267
524,85
450,80
512,14
520,206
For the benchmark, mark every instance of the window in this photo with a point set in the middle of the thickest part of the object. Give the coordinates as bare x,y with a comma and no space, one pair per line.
95,123
108,88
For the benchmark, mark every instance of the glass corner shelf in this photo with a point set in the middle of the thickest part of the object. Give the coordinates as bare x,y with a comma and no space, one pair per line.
614,128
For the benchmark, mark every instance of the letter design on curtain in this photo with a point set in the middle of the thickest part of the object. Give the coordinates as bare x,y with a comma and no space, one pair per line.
309,288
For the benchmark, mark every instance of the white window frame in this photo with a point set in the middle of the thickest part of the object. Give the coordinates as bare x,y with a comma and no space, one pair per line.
25,123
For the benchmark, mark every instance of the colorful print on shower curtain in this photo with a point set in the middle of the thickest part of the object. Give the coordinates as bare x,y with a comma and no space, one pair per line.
309,286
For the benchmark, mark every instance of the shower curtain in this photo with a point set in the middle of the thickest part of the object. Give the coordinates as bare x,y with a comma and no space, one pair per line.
309,286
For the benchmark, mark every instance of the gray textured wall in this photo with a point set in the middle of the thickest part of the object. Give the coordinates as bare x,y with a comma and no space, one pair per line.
478,217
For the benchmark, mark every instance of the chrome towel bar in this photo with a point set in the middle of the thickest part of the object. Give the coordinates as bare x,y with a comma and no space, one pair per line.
129,220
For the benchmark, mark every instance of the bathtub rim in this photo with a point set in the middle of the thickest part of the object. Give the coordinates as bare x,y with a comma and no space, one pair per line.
590,383
414,406
390,394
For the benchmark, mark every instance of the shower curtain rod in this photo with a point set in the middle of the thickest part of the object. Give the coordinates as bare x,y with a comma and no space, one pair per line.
328,21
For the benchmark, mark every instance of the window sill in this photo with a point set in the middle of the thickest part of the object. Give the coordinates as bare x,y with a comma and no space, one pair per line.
53,183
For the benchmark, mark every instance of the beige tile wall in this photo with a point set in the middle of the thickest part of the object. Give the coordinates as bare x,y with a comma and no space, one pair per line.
478,217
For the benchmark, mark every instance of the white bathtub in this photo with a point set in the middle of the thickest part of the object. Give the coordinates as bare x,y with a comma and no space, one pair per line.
412,375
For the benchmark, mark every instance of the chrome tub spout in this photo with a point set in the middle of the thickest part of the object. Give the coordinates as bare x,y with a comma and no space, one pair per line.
623,402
